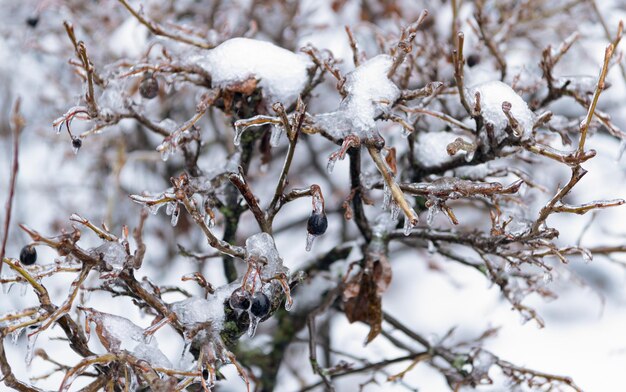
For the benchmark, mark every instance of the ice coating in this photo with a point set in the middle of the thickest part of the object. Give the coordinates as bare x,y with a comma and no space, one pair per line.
152,355
430,148
369,93
262,245
113,253
118,333
492,95
193,311
281,73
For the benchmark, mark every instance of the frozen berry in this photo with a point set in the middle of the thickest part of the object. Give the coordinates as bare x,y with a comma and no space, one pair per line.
239,299
317,224
260,305
472,60
77,143
32,21
28,255
205,374
149,87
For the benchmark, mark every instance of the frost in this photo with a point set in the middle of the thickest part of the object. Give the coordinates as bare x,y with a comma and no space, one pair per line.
492,95
369,94
281,73
431,148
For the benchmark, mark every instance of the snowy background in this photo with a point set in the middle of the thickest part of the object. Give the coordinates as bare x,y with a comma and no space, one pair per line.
583,335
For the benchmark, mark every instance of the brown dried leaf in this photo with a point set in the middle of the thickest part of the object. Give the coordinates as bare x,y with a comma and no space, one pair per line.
362,295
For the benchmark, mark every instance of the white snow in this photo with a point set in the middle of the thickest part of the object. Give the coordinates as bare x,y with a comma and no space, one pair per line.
281,73
492,95
369,94
430,148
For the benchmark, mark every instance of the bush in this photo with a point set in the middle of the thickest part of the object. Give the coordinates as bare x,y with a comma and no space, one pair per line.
454,135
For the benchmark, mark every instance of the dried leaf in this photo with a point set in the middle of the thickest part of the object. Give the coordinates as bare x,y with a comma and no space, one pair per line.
362,295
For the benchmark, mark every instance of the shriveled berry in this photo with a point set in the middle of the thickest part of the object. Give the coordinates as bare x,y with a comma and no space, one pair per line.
260,305
239,299
149,87
472,60
32,21
317,224
28,255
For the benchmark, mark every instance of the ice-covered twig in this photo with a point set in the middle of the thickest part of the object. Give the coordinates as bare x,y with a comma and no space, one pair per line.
104,234
396,192
403,46
584,126
81,53
459,61
455,188
157,29
17,124
239,181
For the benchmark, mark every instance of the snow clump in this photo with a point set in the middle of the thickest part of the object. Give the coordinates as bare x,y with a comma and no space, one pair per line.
281,73
492,95
370,93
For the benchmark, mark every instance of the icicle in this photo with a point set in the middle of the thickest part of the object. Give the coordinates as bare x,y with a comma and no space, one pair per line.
431,247
330,166
386,196
622,149
406,132
547,278
395,211
30,348
15,335
169,209
275,136
165,154
238,131
430,217
254,322
175,215
288,302
309,241
408,226
154,208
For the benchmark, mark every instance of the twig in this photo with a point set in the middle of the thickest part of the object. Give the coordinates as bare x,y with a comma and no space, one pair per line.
17,124
396,192
584,126
158,30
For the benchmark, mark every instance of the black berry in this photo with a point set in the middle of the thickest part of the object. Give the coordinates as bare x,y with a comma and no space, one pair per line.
317,224
260,305
32,21
205,374
77,143
149,87
472,60
239,299
28,255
